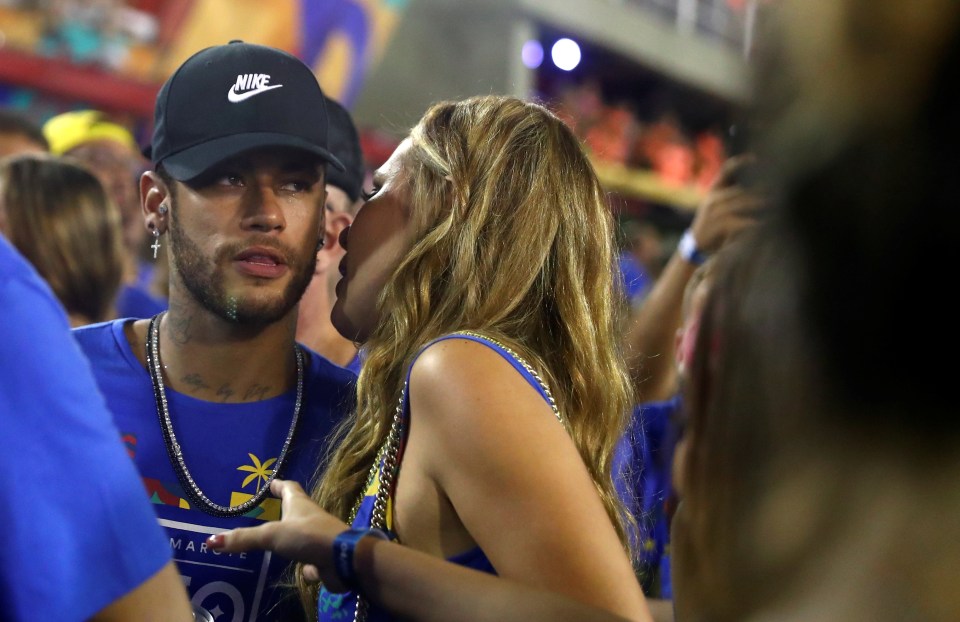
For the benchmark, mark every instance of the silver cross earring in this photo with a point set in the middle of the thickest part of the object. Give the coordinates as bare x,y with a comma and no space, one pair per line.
156,242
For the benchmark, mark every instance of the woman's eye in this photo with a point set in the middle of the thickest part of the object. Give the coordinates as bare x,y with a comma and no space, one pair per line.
366,195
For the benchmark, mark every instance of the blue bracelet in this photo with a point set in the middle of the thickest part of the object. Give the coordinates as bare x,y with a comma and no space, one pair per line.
344,546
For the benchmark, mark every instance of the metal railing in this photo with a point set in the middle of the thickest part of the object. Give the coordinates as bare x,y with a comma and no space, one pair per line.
731,22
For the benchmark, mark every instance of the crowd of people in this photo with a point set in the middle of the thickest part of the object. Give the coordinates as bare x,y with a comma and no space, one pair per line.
421,392
661,143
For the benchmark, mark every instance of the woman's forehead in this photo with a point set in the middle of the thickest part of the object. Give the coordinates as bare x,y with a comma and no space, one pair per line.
394,163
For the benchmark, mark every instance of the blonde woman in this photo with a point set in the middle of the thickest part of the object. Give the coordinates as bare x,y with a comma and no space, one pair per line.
62,220
478,276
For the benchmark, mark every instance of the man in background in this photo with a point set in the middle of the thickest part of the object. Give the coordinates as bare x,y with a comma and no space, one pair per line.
314,328
658,341
109,150
18,134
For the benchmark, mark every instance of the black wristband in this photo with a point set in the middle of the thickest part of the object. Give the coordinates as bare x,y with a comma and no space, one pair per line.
344,546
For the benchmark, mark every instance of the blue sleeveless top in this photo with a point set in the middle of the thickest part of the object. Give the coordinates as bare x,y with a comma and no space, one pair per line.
340,607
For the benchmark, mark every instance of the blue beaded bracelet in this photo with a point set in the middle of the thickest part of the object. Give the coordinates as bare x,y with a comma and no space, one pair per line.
344,546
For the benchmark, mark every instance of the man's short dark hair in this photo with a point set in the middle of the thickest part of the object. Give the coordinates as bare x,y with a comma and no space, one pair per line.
17,123
168,179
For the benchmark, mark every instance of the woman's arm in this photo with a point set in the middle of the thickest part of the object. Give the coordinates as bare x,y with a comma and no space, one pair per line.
407,582
517,485
725,212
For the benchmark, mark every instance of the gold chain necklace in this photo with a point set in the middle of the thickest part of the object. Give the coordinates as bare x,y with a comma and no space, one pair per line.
527,366
190,487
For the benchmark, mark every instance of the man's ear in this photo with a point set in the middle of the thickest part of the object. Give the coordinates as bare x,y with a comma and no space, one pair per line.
331,250
336,222
154,193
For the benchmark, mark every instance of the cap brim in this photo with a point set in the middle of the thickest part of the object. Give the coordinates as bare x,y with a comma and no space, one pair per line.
197,160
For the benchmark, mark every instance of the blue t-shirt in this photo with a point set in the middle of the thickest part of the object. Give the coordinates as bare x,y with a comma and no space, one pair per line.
643,464
634,278
135,299
78,533
137,303
355,363
230,450
340,607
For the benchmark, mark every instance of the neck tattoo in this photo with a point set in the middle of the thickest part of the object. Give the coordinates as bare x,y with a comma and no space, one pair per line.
196,496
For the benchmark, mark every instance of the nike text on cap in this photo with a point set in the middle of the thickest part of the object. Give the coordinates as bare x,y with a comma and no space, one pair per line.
232,98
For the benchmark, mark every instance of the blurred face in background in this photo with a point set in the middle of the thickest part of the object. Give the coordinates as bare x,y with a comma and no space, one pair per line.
14,144
118,168
339,209
57,214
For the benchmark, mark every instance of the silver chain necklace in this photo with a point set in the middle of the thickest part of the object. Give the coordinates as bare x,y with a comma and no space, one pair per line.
197,496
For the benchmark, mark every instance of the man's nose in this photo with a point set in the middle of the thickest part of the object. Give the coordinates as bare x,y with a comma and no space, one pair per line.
263,210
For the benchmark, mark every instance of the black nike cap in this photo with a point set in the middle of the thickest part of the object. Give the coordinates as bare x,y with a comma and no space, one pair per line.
345,143
229,99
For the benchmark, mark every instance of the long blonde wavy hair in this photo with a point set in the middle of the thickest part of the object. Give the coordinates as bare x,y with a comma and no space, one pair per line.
512,238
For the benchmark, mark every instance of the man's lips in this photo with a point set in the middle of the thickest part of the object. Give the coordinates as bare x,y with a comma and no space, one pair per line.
261,262
260,254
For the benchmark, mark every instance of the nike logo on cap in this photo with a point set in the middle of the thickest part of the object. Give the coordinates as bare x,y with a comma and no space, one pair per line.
250,84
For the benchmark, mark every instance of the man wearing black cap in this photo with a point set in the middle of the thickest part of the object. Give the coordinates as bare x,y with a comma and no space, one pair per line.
214,398
314,328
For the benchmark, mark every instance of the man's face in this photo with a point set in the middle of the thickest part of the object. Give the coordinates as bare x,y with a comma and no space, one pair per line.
18,144
338,202
338,211
244,238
